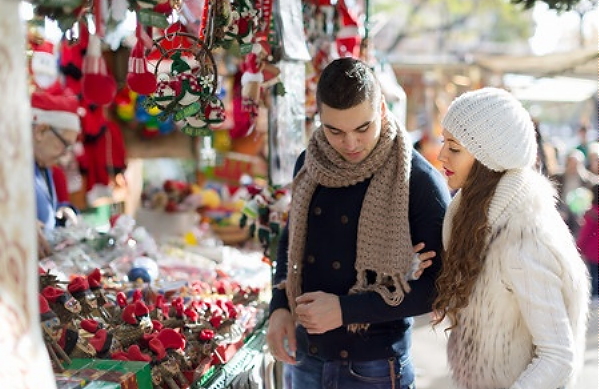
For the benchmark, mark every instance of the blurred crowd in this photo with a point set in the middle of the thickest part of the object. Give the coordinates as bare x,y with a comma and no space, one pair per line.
576,174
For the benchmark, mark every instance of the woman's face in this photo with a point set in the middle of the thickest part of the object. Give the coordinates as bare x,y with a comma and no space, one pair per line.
457,161
352,132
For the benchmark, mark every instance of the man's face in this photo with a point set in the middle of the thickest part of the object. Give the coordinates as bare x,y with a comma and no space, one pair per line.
353,132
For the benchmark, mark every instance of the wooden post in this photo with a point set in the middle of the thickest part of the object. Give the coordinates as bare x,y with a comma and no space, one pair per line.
25,362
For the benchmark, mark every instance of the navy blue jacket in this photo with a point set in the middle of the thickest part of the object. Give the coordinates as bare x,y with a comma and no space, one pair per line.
329,259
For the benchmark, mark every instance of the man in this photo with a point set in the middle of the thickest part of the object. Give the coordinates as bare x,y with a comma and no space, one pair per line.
341,310
55,125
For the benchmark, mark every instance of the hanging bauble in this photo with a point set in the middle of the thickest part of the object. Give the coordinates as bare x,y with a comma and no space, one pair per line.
186,84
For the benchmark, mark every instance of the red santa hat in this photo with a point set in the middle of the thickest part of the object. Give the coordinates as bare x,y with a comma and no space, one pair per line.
90,325
134,354
158,326
57,110
45,312
192,314
128,314
101,341
141,309
78,286
158,348
95,279
121,299
171,339
54,294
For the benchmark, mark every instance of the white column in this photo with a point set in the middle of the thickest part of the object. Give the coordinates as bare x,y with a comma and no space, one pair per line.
24,359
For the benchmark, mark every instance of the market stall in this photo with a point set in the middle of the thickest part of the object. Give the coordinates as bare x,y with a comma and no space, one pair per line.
192,115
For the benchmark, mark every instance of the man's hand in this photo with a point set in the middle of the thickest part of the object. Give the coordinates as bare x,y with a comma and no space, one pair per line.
319,312
43,247
421,262
280,328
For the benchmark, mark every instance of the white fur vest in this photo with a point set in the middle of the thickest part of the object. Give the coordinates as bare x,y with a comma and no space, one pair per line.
524,327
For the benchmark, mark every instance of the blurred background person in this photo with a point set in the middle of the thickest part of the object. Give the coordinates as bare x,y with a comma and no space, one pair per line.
588,241
573,187
55,126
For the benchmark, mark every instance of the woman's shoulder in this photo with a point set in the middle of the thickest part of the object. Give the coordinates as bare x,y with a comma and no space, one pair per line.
521,195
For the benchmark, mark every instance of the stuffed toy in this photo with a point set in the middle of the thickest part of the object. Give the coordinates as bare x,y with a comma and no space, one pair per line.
71,59
104,155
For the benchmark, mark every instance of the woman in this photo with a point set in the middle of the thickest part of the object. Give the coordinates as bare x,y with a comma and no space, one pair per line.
513,286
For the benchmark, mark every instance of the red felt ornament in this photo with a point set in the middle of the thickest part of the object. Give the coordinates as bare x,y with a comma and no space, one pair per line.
158,348
90,325
98,86
139,79
171,339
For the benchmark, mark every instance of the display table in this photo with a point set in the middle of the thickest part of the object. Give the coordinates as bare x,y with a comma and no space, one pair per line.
245,359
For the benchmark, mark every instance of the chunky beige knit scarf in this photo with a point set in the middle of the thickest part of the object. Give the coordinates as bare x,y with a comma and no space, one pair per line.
384,244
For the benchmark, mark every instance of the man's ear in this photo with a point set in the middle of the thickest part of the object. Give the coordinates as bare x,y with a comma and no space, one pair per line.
383,106
38,131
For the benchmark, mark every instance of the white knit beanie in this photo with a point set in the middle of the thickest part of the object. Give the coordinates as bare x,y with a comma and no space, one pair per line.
494,127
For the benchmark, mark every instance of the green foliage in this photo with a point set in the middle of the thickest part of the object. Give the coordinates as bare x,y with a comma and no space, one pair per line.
559,5
469,22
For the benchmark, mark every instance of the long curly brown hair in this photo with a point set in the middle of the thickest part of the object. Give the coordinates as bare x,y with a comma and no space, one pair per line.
464,257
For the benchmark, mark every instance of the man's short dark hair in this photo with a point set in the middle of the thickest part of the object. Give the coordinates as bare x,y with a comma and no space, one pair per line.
347,82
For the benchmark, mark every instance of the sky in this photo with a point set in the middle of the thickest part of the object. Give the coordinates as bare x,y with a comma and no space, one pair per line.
552,28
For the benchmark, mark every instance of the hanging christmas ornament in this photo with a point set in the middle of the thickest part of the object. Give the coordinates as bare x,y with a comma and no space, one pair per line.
348,37
187,81
216,19
43,65
244,24
98,86
139,78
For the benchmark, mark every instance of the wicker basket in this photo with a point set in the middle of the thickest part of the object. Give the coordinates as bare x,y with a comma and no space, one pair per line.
166,224
231,235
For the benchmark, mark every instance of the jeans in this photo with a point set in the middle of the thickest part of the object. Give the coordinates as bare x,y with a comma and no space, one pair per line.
594,271
314,373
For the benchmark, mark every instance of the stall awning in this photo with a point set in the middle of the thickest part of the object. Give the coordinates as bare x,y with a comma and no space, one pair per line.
581,63
558,89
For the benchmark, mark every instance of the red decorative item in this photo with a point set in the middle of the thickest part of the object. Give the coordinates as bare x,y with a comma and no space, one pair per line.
158,348
171,339
128,315
97,85
52,294
157,326
348,37
121,299
101,341
139,79
79,284
45,311
134,354
141,309
90,325
94,279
